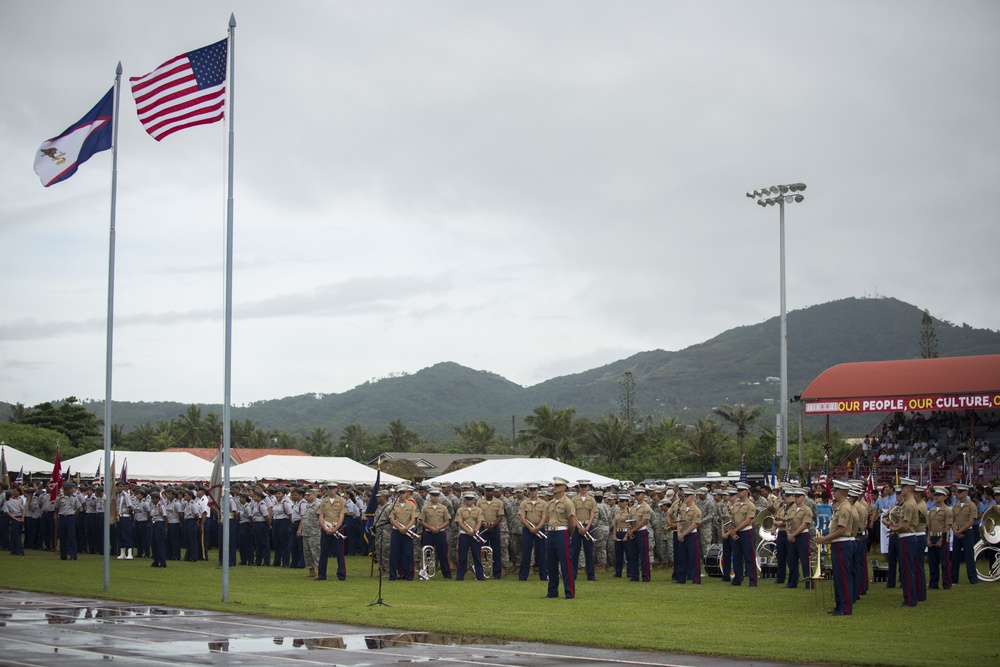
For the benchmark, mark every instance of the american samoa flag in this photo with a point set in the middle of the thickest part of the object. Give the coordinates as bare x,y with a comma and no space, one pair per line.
183,92
58,158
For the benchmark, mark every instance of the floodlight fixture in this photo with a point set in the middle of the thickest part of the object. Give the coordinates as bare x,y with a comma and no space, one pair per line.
769,196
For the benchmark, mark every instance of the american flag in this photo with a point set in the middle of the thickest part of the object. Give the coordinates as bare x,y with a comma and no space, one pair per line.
743,469
183,92
97,474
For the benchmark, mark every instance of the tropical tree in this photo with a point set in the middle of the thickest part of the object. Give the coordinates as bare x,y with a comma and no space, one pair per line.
190,428
398,438
740,416
477,437
70,418
212,429
706,444
285,440
318,441
356,442
17,413
164,437
554,433
242,432
612,439
140,438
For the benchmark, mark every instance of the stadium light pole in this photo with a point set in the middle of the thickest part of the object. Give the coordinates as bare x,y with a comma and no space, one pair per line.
781,195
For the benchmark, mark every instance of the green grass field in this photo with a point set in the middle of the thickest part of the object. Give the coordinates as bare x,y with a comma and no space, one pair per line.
769,622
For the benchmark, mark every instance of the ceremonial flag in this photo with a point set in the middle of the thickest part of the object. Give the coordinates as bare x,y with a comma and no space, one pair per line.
56,479
20,477
3,466
215,485
124,477
58,158
743,469
183,92
870,489
97,474
826,474
788,475
809,477
67,475
372,505
774,476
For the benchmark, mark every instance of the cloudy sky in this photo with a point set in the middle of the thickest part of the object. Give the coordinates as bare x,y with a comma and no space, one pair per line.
529,188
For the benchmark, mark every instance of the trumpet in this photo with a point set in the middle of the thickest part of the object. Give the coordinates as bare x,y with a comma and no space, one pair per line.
412,533
336,533
428,563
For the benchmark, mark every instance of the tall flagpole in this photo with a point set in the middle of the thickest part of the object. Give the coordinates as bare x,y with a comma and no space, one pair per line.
108,489
224,504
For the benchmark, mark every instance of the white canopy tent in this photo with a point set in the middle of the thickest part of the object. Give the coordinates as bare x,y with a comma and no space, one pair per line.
521,471
309,468
145,466
18,460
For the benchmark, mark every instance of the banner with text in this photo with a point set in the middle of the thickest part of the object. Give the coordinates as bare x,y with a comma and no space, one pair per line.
975,401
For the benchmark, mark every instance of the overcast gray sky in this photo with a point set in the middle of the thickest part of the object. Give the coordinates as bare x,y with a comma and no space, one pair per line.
529,188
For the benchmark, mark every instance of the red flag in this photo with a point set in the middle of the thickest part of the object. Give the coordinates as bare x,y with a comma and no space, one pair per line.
870,489
183,92
56,477
124,477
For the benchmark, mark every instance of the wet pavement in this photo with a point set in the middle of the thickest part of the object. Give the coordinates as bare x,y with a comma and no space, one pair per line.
40,629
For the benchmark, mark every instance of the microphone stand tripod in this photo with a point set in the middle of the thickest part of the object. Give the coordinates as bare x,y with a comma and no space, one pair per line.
378,545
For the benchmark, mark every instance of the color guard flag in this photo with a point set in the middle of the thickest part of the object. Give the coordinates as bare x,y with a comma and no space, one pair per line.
58,158
56,481
183,92
97,474
3,466
20,477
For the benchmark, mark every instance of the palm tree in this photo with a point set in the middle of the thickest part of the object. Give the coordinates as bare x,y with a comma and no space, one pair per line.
212,428
706,444
355,441
165,436
242,432
477,437
399,438
740,416
318,441
554,432
189,427
611,438
140,438
17,413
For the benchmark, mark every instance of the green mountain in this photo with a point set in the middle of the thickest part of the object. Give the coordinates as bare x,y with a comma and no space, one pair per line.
733,367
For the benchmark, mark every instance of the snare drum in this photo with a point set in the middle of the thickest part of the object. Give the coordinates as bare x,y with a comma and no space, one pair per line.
713,560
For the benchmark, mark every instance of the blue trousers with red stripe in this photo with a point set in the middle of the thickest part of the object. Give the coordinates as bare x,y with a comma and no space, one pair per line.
841,556
440,543
400,556
641,540
557,558
799,557
908,569
687,560
331,544
744,558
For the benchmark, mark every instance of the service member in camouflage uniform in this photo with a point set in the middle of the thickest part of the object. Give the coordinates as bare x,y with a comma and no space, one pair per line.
708,512
602,528
382,530
658,524
512,525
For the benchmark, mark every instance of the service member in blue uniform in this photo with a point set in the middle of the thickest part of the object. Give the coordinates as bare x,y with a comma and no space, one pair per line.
559,520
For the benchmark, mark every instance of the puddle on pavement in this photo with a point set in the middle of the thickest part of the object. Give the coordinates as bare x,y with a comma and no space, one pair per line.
86,614
354,642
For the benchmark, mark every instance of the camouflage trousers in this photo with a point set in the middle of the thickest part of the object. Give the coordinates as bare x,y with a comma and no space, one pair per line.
665,548
601,547
514,549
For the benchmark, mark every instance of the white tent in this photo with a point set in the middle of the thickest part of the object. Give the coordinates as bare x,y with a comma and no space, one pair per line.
521,471
16,460
308,468
145,466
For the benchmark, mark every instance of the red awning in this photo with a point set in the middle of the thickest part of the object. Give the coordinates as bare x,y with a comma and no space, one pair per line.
950,383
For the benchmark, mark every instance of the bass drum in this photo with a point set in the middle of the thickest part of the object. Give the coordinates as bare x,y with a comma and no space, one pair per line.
713,560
